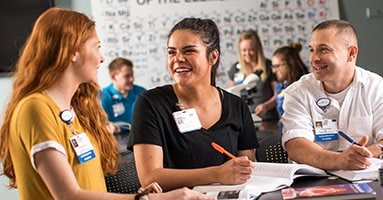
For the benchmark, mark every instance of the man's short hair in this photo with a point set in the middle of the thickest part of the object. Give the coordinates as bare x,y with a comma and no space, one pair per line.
343,27
118,63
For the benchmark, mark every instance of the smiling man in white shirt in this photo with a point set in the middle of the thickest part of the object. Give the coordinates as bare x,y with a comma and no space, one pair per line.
338,95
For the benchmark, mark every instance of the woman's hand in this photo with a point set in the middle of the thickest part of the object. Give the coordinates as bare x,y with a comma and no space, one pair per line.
261,109
151,188
235,171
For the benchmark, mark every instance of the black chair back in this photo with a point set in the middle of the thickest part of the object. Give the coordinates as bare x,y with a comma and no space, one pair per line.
271,150
126,179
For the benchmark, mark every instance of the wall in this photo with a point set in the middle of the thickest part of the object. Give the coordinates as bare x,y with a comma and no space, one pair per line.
138,30
370,43
5,87
369,31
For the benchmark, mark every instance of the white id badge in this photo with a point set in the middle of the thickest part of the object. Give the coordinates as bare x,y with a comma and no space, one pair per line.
118,109
326,130
82,147
187,120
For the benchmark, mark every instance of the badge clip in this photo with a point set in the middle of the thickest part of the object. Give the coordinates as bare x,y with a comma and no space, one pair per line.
323,103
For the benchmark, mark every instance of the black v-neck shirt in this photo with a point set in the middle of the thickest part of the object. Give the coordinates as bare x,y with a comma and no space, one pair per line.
153,123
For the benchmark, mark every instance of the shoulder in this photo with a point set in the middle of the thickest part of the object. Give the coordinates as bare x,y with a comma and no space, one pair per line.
107,94
159,95
37,105
37,100
306,82
165,90
368,78
108,90
157,100
231,98
138,89
227,94
269,70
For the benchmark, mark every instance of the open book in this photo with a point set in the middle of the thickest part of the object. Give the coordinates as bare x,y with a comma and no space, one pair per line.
370,173
266,177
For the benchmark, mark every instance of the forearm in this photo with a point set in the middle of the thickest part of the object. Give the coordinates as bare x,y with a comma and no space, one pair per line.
270,104
86,194
60,180
175,178
250,154
304,151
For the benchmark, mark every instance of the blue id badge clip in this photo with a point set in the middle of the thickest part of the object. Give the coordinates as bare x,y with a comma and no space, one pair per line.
326,130
82,147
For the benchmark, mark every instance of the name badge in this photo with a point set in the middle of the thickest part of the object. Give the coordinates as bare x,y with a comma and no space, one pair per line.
326,130
187,120
82,147
118,109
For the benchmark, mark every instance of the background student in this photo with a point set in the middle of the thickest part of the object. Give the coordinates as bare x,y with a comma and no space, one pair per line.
174,125
339,94
288,67
251,59
54,102
118,99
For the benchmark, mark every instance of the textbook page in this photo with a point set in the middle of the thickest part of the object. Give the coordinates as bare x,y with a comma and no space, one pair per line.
371,173
268,177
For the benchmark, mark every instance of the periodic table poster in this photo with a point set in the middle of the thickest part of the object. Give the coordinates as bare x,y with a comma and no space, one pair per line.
138,29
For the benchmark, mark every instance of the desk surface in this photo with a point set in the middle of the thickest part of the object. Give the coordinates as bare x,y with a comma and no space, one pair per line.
315,181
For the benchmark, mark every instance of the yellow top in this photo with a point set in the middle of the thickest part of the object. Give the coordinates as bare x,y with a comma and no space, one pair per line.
35,126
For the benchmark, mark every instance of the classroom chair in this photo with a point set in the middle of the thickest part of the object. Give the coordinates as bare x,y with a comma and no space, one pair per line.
126,179
271,150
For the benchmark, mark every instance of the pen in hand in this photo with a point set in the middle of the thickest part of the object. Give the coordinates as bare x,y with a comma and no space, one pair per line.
348,138
222,150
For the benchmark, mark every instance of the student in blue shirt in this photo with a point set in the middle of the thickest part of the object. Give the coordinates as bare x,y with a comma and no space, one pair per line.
288,67
119,98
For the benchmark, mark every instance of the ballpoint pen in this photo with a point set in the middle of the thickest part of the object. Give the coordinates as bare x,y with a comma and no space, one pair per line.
348,138
222,150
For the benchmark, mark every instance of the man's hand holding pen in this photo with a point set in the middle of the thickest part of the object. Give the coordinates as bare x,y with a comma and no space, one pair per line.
356,156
